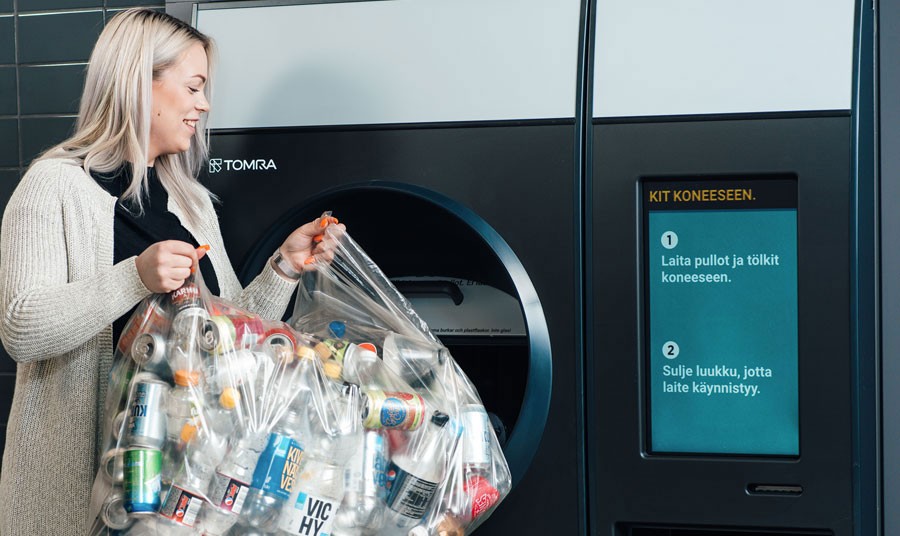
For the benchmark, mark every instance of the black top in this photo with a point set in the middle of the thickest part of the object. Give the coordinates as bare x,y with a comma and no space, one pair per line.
133,232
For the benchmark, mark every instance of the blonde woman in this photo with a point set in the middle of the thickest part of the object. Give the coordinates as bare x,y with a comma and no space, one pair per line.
98,223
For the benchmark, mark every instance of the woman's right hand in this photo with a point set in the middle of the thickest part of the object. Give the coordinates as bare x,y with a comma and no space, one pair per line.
164,266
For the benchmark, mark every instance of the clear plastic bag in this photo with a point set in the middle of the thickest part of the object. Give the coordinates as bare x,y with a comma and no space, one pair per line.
352,420
445,471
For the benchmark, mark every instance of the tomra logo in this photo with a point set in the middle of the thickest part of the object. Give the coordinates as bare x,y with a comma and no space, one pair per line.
217,165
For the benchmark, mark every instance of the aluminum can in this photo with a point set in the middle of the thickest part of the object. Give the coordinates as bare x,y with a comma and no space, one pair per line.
118,422
111,465
476,436
150,317
402,411
113,511
149,352
142,483
231,332
146,421
189,325
279,336
216,333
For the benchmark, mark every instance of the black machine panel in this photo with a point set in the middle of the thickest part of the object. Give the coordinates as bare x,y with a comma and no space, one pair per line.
699,480
518,178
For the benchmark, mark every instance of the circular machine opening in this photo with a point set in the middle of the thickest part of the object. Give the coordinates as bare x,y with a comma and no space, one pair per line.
412,232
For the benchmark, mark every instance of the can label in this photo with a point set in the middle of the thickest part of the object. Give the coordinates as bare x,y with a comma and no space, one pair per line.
248,330
181,506
482,493
310,516
229,493
149,318
146,425
186,297
142,470
403,411
408,495
337,347
278,466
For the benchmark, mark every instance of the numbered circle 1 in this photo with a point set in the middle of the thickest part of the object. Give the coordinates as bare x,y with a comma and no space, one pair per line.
671,350
669,239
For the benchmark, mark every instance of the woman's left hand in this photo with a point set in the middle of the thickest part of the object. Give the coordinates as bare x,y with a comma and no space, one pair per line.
302,246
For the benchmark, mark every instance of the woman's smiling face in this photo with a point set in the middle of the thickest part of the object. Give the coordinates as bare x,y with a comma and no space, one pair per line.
178,101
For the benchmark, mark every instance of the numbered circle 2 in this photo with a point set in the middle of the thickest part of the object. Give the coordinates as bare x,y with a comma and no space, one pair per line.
669,239
671,350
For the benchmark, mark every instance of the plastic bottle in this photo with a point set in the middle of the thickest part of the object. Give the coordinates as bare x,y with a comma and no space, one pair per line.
362,509
481,484
186,494
230,486
416,360
182,402
415,475
331,440
273,477
221,414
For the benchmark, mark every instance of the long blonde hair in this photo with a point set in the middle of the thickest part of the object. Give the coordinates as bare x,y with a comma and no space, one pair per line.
113,127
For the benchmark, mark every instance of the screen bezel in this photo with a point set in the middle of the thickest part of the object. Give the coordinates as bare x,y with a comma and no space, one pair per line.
643,278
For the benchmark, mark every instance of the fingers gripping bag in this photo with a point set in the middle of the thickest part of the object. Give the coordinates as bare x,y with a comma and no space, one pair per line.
428,462
203,418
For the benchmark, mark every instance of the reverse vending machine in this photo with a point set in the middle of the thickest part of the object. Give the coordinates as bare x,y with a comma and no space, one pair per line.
731,274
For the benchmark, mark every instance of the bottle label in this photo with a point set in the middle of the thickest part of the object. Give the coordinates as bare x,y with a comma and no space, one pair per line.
408,495
482,493
278,466
310,516
229,493
181,506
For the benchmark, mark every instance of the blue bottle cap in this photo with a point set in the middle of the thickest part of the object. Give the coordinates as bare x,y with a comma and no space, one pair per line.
337,328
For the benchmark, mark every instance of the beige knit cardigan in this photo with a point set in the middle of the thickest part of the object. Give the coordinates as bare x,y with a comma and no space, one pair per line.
59,294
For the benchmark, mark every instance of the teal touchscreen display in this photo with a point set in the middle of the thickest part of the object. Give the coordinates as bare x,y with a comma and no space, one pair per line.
720,315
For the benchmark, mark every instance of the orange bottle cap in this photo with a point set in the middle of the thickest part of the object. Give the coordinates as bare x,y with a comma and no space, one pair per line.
187,378
229,398
188,432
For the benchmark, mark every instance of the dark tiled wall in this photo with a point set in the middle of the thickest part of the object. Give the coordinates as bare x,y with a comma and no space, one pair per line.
44,47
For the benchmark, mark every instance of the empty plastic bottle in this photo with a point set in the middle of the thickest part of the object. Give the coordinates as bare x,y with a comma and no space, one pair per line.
273,477
414,475
221,413
186,494
230,486
362,509
330,441
415,359
183,402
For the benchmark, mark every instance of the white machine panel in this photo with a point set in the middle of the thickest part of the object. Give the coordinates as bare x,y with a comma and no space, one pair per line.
659,57
399,61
